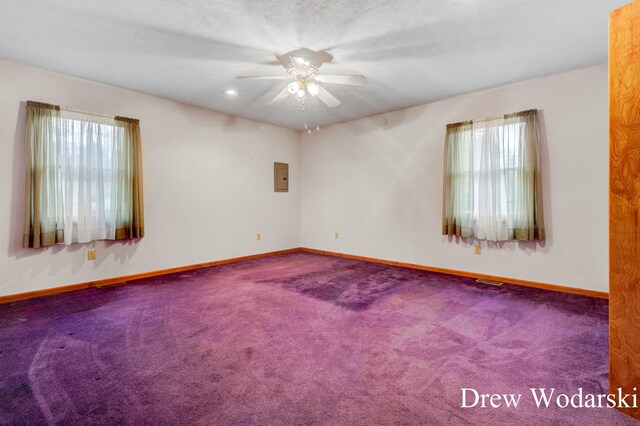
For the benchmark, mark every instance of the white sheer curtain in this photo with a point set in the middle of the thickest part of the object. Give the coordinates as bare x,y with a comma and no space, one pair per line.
82,179
89,161
492,185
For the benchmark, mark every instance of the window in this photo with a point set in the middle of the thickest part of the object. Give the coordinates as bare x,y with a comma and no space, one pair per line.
492,185
84,178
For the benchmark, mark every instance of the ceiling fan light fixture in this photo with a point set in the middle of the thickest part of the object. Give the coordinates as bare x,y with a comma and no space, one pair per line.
300,94
293,87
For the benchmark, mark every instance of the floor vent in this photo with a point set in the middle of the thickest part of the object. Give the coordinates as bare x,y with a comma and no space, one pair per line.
110,285
495,283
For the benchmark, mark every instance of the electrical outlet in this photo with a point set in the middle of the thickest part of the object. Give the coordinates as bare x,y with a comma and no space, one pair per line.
258,236
91,254
477,249
337,235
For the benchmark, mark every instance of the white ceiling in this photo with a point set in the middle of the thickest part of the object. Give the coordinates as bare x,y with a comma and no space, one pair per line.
412,51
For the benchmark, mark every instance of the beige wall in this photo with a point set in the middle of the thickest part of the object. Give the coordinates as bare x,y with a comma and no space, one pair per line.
208,181
378,182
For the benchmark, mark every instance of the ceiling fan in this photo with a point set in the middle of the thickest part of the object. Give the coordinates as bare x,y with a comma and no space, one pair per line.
303,69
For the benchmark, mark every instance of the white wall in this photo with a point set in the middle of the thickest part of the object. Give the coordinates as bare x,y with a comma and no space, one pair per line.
378,182
208,181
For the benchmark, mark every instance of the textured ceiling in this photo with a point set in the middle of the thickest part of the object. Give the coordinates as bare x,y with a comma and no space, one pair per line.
411,51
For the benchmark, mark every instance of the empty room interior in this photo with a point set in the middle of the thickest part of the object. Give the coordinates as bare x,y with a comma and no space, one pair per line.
362,212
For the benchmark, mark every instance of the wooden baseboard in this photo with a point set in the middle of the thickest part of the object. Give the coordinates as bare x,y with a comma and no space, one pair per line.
552,287
116,280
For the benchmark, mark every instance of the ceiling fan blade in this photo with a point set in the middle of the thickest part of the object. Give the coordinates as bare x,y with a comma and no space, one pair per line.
261,77
280,96
327,97
352,80
283,60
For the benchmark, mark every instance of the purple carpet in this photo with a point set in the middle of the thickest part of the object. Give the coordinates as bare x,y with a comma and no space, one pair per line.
300,339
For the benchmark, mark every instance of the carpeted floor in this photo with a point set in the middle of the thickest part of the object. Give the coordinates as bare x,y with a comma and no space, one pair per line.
300,339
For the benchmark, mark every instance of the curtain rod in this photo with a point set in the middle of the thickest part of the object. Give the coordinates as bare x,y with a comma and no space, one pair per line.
495,117
59,108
